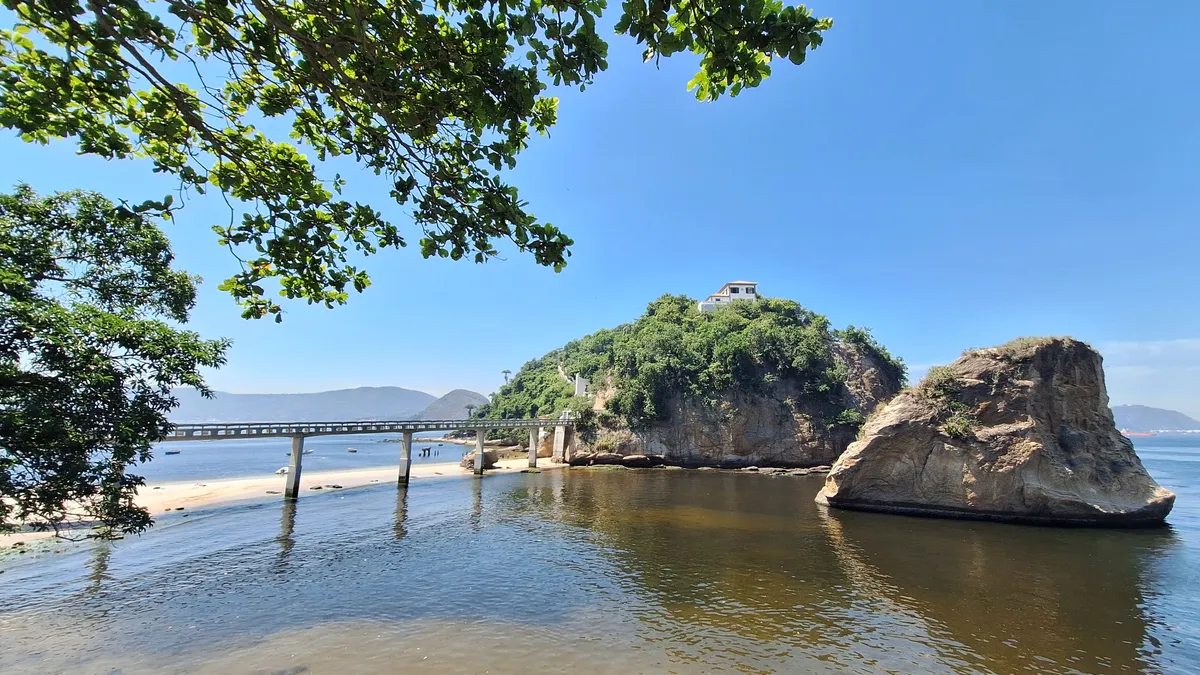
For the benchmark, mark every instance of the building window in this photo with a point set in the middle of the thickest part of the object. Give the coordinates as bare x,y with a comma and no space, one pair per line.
735,290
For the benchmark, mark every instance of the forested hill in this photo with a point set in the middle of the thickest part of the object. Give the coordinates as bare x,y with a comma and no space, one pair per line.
675,352
1145,418
363,403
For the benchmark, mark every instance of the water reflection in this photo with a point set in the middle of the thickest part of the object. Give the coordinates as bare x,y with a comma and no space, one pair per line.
98,574
1011,595
753,556
476,502
287,527
600,571
401,513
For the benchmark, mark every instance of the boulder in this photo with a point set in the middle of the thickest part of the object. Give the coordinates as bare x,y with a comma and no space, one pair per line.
489,460
1020,433
593,458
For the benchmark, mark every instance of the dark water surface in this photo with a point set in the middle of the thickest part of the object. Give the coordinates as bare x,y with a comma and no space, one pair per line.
650,571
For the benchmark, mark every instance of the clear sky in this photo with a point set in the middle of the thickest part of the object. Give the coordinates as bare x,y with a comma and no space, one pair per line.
951,174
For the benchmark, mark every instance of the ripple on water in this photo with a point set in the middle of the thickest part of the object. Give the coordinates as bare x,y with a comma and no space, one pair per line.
606,572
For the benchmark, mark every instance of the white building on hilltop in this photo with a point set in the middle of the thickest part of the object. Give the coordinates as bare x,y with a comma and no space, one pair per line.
734,290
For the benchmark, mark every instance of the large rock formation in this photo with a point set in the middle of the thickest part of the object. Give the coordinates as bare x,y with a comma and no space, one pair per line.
779,425
1020,433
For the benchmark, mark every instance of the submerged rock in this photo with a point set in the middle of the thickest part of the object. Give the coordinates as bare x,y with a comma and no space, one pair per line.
1020,432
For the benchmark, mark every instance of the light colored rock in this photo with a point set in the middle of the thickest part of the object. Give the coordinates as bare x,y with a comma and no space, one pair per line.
489,459
1021,432
636,461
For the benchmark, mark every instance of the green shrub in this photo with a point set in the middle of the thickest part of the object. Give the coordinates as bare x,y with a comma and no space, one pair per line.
959,425
939,382
850,417
892,366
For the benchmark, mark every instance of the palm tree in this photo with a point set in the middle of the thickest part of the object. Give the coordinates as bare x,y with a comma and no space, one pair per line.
470,409
506,372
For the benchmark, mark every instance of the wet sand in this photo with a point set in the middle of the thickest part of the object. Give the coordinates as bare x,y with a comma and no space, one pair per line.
190,496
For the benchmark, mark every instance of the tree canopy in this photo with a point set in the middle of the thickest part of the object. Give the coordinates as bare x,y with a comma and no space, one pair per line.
89,354
437,97
676,351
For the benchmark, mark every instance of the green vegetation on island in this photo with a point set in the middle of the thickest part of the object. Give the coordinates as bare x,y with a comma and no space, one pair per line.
675,350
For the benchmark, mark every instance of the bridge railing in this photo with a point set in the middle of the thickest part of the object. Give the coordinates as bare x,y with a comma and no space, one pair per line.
265,429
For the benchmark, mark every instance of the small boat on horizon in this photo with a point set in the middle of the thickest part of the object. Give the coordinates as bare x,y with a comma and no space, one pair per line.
1137,434
172,452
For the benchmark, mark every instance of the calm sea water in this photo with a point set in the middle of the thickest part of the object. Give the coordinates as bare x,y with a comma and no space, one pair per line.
210,460
590,571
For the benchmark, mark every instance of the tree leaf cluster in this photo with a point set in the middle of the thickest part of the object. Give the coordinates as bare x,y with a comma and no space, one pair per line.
676,352
437,97
89,353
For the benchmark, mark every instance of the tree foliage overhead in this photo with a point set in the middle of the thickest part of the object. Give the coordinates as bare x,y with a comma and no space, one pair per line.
675,352
88,356
437,97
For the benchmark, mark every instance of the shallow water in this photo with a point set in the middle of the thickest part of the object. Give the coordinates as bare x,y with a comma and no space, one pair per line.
649,571
211,460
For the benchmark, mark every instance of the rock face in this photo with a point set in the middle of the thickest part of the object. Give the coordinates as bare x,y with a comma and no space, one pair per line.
1019,433
767,428
489,459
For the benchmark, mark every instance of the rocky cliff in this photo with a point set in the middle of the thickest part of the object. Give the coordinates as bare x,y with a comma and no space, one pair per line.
764,382
1020,432
778,425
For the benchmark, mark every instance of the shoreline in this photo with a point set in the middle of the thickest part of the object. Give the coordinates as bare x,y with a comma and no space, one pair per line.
195,496
454,441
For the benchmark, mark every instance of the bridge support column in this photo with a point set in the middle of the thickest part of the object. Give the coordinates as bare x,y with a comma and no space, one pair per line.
559,453
405,458
533,443
479,458
292,487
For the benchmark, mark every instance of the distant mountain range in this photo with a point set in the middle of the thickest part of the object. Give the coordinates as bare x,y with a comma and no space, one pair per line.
453,406
1145,418
362,403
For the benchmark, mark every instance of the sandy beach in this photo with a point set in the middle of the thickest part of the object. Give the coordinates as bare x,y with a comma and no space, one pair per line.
191,496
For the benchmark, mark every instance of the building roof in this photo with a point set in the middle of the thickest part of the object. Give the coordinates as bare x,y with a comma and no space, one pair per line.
741,283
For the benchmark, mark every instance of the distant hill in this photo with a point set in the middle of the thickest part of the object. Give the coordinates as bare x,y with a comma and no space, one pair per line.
363,403
453,406
1145,418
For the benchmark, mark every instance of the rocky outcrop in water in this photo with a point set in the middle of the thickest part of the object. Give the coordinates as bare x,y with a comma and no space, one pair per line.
779,425
1020,432
489,459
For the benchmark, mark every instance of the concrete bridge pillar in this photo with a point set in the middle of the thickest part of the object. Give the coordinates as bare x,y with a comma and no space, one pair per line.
533,446
559,453
479,458
292,487
405,458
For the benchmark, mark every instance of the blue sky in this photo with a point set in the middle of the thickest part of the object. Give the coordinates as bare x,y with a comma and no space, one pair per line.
951,175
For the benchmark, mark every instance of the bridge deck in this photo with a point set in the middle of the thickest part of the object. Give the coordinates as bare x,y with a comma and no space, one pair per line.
209,432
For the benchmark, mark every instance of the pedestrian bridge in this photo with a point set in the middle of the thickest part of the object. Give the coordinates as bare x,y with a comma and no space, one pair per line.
298,431
210,432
